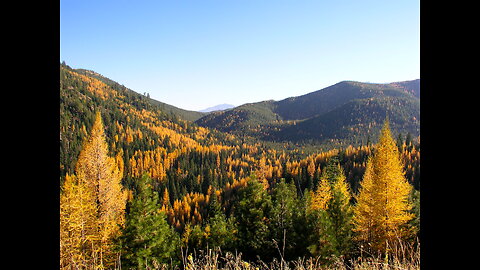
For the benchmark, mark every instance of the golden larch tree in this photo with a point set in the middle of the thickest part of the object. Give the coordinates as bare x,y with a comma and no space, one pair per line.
78,224
383,205
99,176
311,167
321,196
330,207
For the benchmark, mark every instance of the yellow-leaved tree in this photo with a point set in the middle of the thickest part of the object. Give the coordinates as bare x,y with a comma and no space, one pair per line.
382,210
78,224
321,196
92,205
332,213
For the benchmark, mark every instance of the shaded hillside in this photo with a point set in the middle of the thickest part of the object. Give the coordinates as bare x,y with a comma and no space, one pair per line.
358,119
325,100
346,111
412,87
248,118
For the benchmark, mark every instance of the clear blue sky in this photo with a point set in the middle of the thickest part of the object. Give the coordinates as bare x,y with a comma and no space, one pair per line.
199,53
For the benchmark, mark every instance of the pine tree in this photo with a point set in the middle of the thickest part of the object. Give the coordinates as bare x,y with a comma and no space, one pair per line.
220,229
251,212
285,212
147,237
383,206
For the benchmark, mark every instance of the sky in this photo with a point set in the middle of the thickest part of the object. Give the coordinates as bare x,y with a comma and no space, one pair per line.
200,53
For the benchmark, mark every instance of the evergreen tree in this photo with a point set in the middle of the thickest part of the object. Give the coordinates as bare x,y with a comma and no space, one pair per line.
147,237
382,209
303,226
409,142
332,211
214,206
285,212
217,232
415,222
251,213
220,231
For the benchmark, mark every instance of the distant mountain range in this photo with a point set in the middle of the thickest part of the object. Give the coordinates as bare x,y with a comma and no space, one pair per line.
348,111
220,107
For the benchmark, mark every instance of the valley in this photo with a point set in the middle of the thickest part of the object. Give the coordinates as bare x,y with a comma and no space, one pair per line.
218,179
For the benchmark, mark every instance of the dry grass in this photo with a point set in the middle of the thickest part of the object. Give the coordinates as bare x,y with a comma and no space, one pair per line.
399,258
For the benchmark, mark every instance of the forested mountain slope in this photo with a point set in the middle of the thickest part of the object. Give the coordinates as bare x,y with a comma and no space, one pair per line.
187,158
133,122
344,112
167,108
329,98
210,185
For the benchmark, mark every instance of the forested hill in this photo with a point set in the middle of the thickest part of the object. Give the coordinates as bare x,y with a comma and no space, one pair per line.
133,122
329,98
167,108
151,139
208,188
346,112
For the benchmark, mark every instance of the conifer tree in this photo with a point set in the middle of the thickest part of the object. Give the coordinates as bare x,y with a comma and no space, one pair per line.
220,230
147,237
332,213
383,205
97,184
251,213
285,212
217,232
78,224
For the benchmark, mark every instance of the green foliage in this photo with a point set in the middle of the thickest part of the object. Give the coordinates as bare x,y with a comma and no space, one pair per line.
217,232
147,237
415,222
285,215
342,113
221,230
251,213
207,197
333,225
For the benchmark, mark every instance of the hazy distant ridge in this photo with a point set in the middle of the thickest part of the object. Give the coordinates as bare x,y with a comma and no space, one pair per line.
220,107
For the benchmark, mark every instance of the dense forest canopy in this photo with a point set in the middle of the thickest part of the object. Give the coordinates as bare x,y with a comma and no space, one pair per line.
203,188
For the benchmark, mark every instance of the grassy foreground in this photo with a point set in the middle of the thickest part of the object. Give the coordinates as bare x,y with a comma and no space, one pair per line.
398,258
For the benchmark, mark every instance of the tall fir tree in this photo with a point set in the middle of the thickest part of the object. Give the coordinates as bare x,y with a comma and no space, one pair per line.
221,232
383,207
251,212
147,237
285,212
